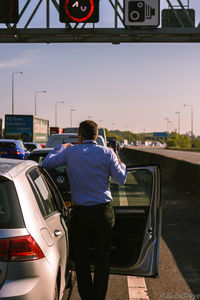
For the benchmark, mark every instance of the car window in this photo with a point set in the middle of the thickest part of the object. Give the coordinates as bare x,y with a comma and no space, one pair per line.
137,191
42,193
10,211
54,192
6,145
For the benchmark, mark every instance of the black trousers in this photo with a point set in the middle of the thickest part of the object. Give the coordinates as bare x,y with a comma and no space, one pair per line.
92,226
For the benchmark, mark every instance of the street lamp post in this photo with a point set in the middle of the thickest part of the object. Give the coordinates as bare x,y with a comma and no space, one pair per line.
56,111
191,107
71,110
13,73
178,113
100,121
167,119
36,92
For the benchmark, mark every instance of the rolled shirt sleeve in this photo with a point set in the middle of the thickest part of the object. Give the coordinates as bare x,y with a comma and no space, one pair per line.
117,170
55,158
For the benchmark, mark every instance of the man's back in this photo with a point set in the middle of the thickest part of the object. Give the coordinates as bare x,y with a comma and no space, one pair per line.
89,167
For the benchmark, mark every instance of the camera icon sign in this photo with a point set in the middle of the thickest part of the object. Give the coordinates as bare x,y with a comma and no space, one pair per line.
142,13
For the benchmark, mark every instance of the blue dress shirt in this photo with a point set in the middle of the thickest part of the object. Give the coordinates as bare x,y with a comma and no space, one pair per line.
89,167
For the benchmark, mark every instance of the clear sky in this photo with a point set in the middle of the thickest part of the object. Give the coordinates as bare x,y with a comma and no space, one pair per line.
127,86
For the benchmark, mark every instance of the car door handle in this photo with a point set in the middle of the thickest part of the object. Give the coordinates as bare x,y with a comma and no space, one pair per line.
57,232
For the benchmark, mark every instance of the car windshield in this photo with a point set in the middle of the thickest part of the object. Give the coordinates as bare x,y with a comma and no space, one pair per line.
10,212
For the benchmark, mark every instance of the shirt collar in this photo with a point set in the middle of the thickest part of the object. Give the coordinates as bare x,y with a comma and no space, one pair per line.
89,142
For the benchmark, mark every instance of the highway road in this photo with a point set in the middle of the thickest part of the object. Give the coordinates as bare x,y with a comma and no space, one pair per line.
180,244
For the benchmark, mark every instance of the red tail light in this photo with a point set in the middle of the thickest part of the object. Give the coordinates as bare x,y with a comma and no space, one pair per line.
15,152
20,249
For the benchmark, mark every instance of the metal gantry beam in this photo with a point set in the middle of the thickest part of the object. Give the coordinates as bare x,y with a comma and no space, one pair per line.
83,33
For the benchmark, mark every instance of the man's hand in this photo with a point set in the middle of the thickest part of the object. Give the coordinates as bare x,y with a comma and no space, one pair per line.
66,145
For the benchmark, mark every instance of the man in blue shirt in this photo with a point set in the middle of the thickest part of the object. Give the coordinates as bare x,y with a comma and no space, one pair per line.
89,167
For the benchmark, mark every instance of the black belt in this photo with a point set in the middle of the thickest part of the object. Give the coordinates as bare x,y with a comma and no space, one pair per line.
93,206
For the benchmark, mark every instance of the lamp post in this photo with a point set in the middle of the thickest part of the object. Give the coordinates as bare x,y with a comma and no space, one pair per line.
13,73
90,117
100,121
167,119
191,107
178,113
36,92
56,111
71,110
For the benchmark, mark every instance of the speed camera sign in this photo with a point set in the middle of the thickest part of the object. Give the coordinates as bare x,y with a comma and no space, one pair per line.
142,13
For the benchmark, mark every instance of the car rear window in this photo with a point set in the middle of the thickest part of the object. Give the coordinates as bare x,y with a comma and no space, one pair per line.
55,141
6,145
10,212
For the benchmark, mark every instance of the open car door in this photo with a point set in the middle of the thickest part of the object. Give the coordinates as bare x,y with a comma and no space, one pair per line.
136,239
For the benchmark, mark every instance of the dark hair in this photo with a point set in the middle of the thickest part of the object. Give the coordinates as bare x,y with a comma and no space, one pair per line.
88,129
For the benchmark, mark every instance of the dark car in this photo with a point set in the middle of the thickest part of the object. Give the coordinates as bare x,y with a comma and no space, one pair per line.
31,145
13,149
59,175
112,143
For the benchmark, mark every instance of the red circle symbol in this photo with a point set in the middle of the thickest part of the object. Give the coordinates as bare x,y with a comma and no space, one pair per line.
83,19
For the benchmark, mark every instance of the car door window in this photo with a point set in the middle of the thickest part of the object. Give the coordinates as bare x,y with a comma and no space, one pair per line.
42,192
137,191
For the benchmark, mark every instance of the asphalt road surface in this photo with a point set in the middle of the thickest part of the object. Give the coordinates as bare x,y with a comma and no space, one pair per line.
180,245
193,157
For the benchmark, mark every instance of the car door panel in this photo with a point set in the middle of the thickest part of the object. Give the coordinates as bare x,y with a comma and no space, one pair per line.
136,237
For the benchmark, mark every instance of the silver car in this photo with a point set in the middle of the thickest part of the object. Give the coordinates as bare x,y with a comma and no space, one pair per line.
33,234
34,238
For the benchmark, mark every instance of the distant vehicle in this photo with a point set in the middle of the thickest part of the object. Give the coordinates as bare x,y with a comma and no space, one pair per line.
27,128
57,139
100,141
101,131
72,138
33,237
31,145
13,149
112,143
54,130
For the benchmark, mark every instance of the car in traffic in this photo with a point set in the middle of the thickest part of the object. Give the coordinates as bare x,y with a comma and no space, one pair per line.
71,138
13,149
61,138
33,233
31,145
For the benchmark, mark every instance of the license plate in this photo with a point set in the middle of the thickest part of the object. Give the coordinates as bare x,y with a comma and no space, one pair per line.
3,152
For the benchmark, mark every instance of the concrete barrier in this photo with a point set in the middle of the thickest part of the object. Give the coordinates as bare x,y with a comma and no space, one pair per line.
172,168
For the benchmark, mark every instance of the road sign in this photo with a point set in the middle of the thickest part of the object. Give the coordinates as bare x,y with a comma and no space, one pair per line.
142,13
81,11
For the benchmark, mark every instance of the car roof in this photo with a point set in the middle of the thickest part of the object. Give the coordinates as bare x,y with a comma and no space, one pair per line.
64,134
41,150
10,140
10,167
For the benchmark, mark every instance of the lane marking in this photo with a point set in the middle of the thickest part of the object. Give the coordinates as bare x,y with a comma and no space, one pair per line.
123,201
137,288
136,285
